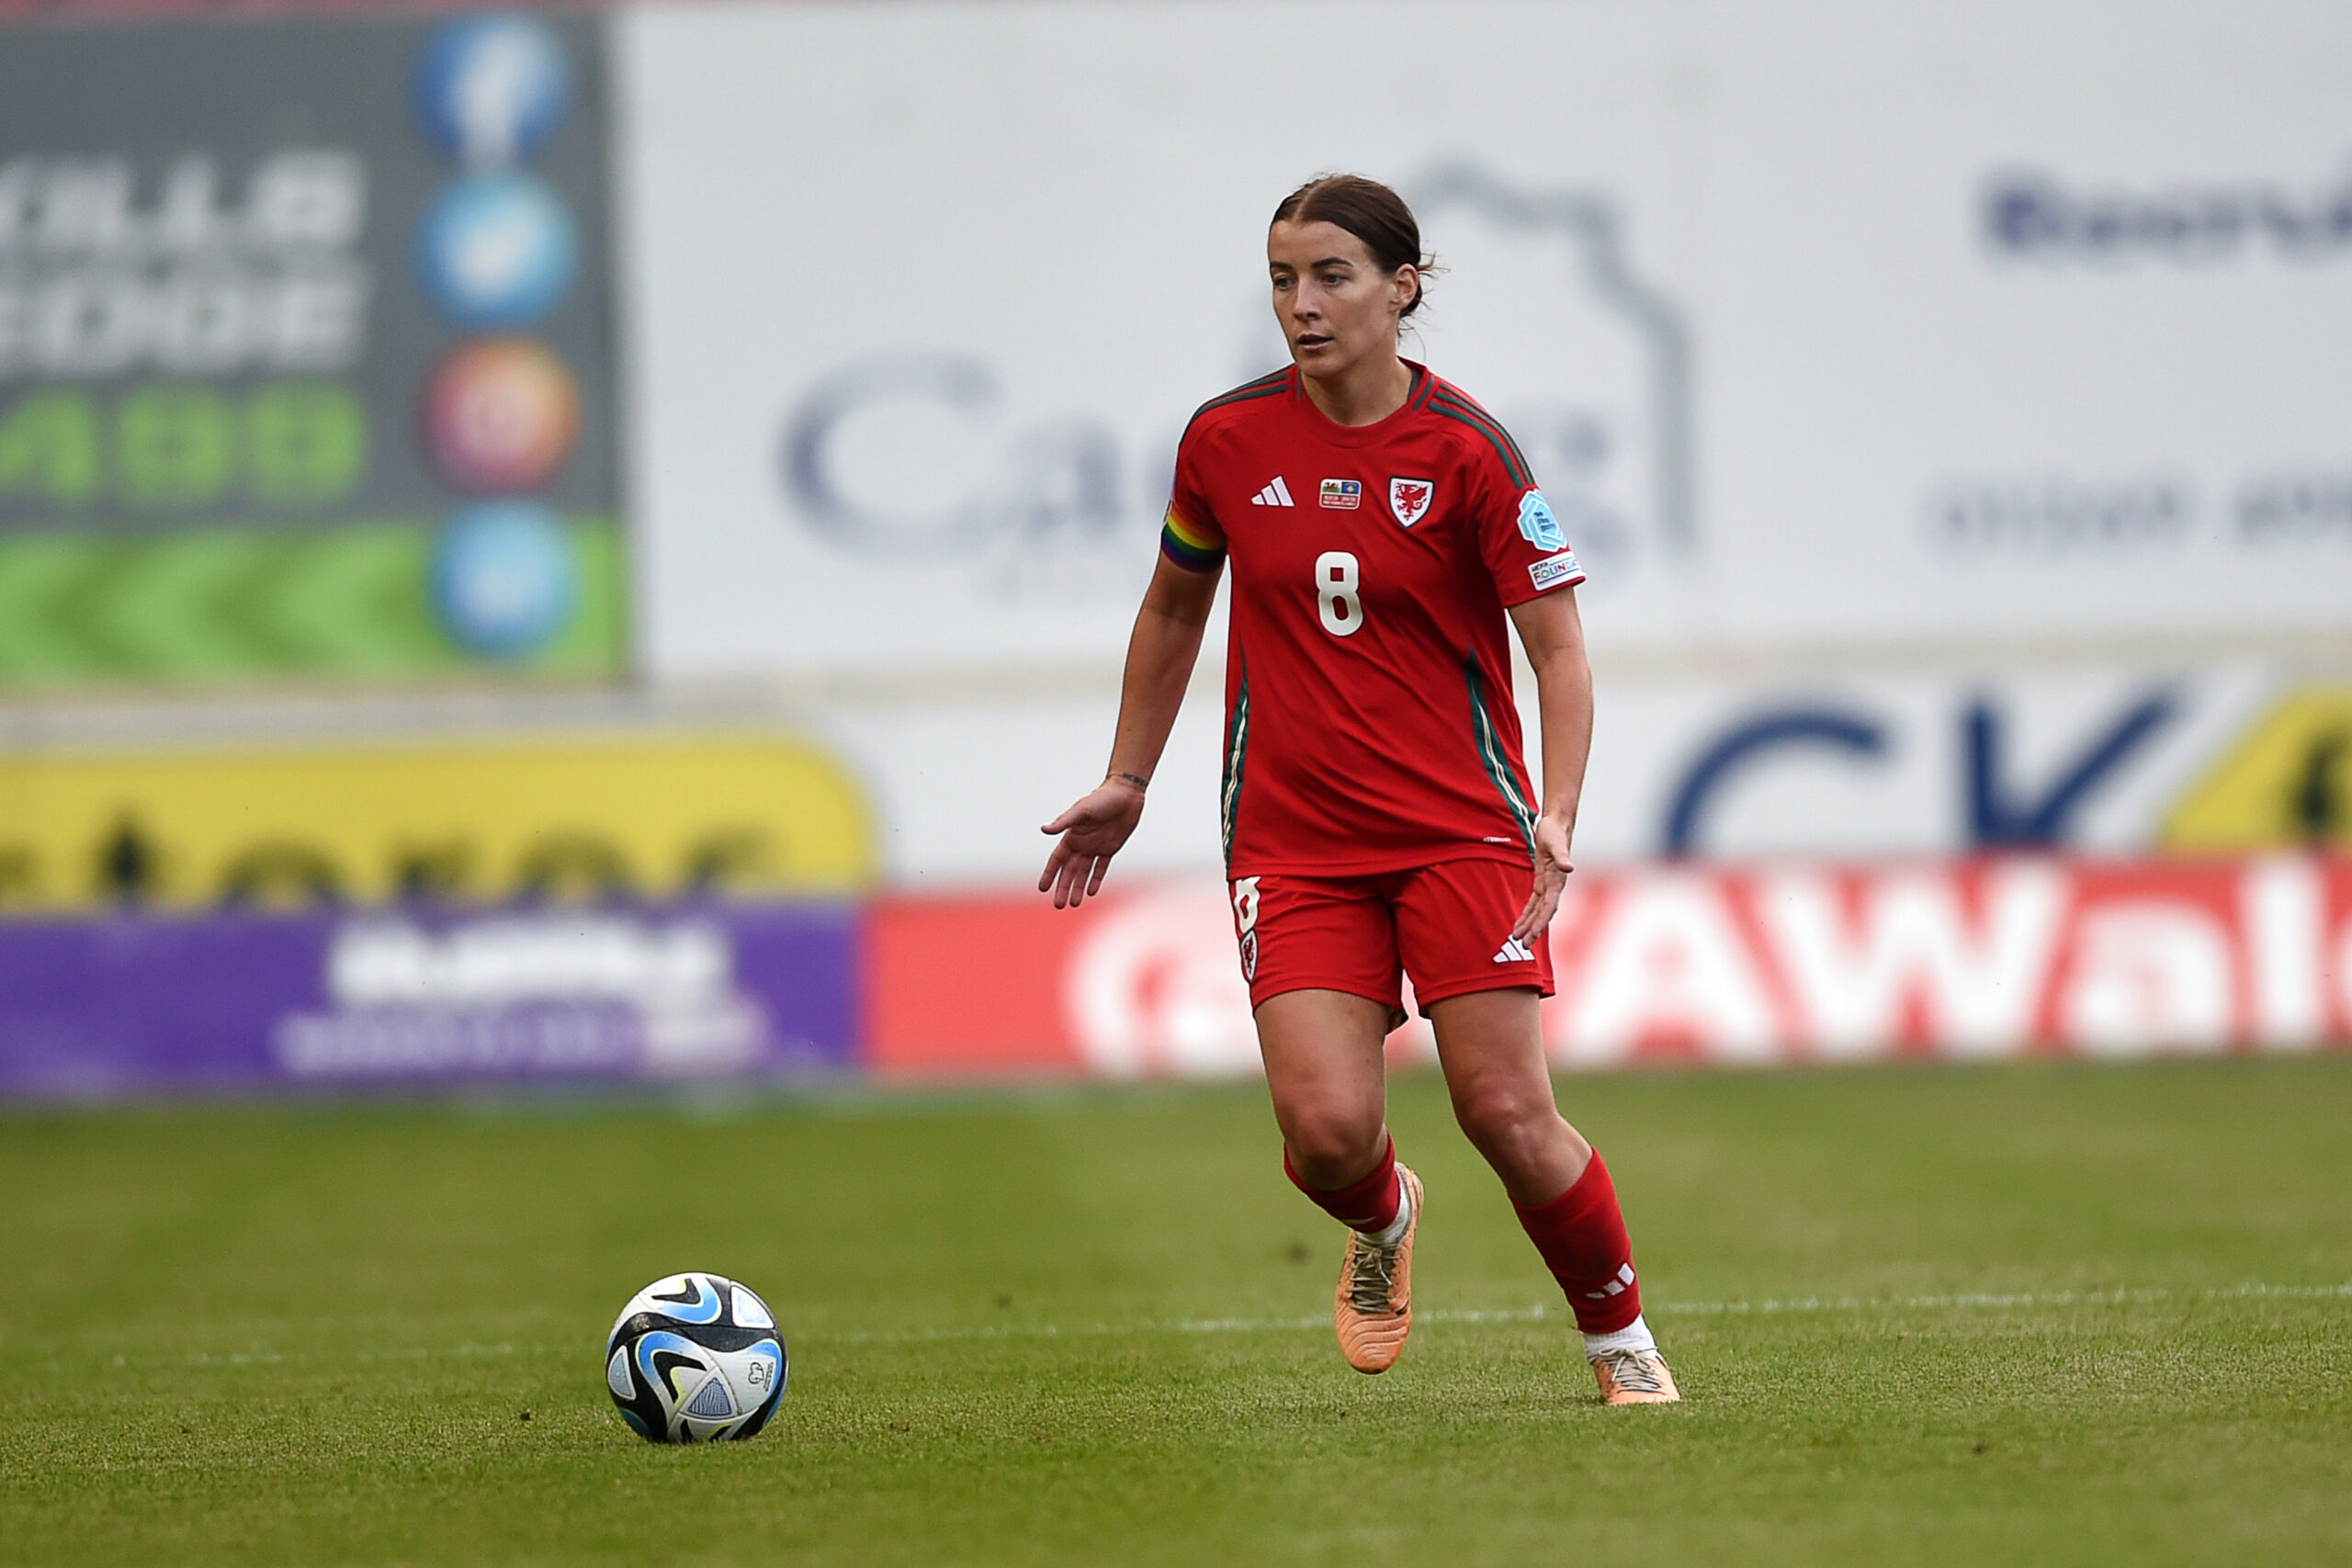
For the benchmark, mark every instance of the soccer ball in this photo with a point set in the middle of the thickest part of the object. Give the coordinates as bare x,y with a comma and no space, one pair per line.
695,1359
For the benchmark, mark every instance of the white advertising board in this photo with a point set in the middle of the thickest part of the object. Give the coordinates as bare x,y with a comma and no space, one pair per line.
2097,759
1824,322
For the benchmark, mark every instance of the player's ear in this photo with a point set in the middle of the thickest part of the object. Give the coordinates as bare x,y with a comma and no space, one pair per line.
1403,288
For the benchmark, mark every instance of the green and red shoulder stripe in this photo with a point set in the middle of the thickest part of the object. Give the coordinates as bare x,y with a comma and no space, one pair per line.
1452,402
1273,384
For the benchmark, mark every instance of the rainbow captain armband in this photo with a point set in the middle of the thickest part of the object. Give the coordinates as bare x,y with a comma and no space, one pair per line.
1191,546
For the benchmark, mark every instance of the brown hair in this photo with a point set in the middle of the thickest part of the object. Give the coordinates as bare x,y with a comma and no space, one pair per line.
1370,211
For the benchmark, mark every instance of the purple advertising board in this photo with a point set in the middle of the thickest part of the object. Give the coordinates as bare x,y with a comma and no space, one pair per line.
129,1004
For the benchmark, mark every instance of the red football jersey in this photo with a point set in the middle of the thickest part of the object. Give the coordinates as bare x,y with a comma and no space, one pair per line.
1368,719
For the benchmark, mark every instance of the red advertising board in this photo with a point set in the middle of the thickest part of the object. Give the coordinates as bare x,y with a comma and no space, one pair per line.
971,986
1965,960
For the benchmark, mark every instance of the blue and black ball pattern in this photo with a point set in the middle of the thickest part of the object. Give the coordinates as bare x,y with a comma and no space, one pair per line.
695,1358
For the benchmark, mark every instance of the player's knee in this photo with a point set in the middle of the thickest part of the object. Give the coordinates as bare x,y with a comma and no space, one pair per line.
1503,1123
1332,1145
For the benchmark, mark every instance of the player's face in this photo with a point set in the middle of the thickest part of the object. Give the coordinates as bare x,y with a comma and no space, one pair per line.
1336,305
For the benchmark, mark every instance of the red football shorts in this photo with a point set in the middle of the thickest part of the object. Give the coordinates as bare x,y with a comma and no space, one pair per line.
1446,925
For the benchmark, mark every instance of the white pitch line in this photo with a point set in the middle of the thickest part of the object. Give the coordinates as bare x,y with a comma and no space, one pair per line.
1767,1307
1981,1299
1974,1301
270,1358
1181,1325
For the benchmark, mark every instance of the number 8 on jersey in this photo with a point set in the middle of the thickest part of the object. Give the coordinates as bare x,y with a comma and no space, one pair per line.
1335,592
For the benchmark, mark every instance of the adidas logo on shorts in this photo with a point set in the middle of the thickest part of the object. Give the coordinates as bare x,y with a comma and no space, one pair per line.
1515,951
1274,495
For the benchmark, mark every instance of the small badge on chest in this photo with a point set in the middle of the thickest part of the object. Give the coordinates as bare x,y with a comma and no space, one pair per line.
1409,499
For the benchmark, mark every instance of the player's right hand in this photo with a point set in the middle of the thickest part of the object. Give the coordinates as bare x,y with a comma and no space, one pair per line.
1552,869
1092,832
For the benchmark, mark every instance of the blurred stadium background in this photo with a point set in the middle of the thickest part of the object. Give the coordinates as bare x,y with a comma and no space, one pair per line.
573,547
579,545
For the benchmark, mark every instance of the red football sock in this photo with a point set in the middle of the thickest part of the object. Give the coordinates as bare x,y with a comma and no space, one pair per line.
1367,1205
1582,1238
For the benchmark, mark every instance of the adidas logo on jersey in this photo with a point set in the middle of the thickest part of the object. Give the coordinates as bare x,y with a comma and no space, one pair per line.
1515,951
1274,495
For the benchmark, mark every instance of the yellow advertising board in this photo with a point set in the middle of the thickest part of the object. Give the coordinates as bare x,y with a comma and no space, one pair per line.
571,818
2287,780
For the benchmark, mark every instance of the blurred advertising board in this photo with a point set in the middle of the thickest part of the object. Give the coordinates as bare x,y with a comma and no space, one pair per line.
129,1004
456,821
1984,959
1823,324
2181,758
305,351
1992,958
2095,757
612,904
2285,779
2098,757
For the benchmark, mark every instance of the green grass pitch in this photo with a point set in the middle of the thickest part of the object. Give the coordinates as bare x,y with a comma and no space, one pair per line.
1994,1315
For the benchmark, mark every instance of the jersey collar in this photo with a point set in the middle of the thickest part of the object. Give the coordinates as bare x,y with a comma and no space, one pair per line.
1337,435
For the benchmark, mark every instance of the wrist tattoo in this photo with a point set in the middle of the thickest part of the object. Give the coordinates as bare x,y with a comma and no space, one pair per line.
1137,780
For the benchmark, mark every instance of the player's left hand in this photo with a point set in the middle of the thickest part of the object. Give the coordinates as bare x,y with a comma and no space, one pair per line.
1552,870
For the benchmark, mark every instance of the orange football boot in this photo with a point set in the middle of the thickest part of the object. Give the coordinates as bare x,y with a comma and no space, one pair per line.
1634,1377
1375,1305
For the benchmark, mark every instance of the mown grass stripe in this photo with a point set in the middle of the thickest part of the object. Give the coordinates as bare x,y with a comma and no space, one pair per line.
314,1302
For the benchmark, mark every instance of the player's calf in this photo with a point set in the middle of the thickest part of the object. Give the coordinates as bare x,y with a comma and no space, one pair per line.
1581,1234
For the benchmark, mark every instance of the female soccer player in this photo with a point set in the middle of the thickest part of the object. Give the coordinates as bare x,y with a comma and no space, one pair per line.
1377,813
